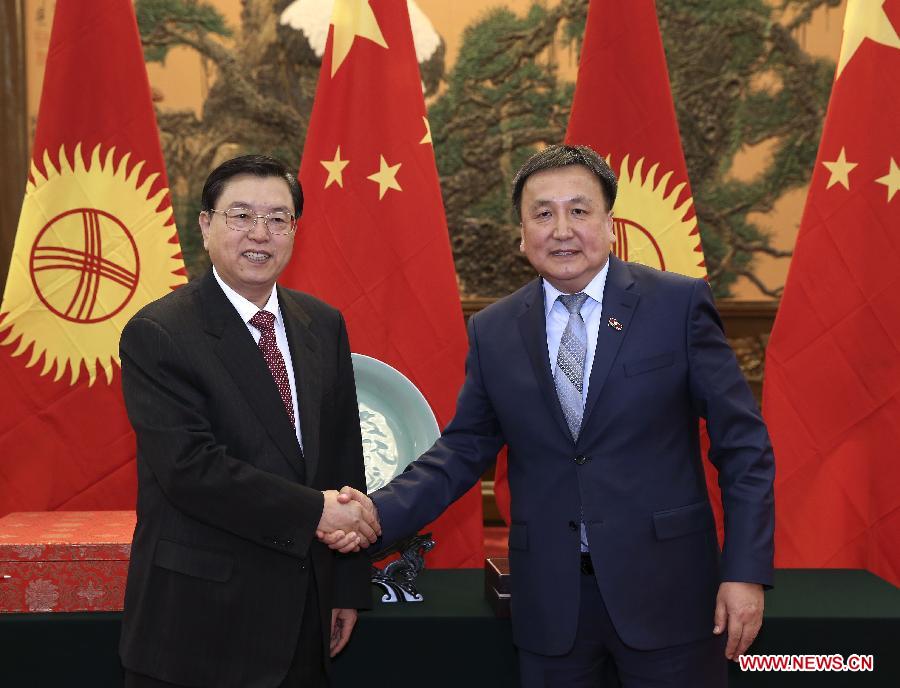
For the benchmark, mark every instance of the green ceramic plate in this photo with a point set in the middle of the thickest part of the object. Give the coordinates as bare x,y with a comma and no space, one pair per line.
396,421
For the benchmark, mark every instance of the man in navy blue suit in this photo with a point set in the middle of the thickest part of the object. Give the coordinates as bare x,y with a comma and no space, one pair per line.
596,375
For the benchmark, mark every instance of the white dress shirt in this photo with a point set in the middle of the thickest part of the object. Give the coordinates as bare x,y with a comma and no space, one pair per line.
247,309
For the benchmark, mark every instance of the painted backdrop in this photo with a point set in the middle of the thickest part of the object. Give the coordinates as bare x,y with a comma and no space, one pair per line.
750,80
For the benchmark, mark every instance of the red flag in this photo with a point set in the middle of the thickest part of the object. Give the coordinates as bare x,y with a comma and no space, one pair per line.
832,388
95,242
373,239
623,109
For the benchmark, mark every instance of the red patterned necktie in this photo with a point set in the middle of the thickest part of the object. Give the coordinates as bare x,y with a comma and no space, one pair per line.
265,323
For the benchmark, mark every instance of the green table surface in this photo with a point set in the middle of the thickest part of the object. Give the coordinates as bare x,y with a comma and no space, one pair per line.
831,594
448,593
453,638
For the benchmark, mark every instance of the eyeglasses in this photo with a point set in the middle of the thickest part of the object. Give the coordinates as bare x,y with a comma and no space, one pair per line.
244,219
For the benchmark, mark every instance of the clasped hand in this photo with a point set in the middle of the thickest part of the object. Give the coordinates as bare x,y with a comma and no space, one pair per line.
349,520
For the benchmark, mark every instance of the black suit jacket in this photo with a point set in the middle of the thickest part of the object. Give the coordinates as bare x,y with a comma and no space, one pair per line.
224,546
634,476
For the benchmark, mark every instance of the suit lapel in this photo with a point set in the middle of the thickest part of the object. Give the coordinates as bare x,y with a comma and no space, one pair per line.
533,327
240,355
307,376
619,305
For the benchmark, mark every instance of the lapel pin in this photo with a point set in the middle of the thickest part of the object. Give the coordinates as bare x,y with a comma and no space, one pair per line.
615,324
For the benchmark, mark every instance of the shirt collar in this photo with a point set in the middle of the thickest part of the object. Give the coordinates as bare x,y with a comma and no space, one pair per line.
246,308
594,289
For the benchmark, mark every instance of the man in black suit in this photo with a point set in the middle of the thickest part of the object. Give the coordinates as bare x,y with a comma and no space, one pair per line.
243,401
596,375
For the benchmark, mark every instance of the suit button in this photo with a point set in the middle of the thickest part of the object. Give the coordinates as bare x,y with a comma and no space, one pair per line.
581,460
573,525
303,566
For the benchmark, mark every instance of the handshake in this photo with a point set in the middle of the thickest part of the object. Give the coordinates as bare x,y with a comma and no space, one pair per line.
349,520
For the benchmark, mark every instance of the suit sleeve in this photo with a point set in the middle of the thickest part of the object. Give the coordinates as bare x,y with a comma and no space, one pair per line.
465,449
196,473
739,445
351,571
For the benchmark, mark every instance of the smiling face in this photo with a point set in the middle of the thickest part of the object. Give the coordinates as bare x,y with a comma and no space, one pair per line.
249,262
567,229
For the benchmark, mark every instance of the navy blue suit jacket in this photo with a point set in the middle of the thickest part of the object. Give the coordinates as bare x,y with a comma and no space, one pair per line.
634,476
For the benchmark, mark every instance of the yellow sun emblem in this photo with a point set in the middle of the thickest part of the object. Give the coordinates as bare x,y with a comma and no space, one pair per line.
91,249
650,229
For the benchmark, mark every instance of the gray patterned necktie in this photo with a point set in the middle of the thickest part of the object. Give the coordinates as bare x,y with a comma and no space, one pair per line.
569,374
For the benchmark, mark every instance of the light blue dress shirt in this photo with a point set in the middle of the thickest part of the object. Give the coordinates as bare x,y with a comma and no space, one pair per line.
557,317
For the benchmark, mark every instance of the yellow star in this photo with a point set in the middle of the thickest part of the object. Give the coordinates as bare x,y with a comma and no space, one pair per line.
386,177
891,180
352,18
865,19
427,137
840,170
335,169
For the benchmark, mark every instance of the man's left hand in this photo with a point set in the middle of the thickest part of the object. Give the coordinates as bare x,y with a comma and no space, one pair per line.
739,608
342,623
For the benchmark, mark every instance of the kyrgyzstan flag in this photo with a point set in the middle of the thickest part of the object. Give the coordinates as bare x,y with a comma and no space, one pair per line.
95,242
832,388
373,239
623,110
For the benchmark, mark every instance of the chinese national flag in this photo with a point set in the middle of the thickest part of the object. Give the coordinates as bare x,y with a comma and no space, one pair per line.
623,110
95,242
373,239
832,388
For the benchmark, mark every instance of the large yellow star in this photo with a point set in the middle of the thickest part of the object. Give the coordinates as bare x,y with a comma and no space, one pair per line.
865,19
891,180
335,169
840,170
427,137
352,18
386,177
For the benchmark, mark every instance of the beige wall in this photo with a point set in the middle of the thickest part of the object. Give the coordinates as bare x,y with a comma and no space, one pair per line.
821,38
38,20
181,83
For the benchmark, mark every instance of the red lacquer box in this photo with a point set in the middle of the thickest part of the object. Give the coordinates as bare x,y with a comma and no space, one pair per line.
64,561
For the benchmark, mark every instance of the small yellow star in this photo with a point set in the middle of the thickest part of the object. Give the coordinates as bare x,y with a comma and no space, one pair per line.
335,169
352,18
386,177
891,180
865,19
427,137
840,170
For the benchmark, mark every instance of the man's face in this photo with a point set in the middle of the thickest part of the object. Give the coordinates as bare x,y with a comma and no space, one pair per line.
567,231
249,262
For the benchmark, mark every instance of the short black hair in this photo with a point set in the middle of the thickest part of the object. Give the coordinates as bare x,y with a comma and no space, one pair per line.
556,156
256,165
